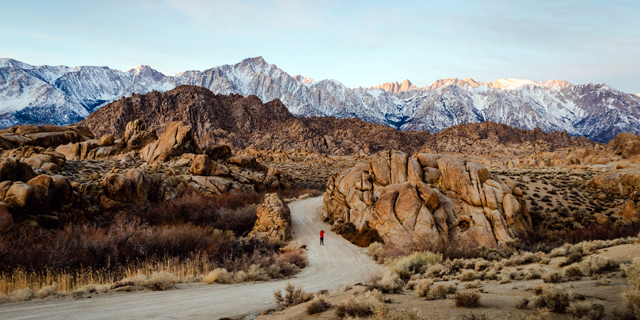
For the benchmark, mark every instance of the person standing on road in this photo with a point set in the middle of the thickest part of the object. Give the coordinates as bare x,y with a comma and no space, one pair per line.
322,237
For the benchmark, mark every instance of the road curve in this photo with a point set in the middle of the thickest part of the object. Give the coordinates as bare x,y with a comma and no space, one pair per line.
330,267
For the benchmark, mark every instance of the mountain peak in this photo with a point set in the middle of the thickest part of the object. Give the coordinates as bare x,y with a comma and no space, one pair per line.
395,87
303,79
8,62
147,71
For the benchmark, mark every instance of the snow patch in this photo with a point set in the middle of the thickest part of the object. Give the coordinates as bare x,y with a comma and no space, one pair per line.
375,93
510,84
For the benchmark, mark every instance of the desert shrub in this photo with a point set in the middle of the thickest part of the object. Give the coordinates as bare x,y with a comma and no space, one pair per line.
553,298
390,252
552,277
472,285
47,291
451,289
416,262
523,303
436,270
586,311
389,283
505,278
375,250
533,273
295,257
291,296
422,287
22,295
473,316
597,265
162,280
632,273
629,307
571,258
319,304
491,275
467,299
257,273
359,306
468,275
438,291
219,275
572,272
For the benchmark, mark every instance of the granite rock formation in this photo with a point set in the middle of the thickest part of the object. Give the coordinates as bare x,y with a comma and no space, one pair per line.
429,201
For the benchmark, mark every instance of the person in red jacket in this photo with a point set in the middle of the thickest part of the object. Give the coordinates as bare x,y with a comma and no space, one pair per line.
321,237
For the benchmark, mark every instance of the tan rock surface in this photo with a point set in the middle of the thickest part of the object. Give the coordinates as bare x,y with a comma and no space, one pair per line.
274,220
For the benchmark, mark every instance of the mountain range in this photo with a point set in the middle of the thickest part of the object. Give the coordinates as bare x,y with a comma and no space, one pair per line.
63,95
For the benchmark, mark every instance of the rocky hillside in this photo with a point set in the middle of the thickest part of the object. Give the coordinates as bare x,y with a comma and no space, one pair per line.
63,95
240,122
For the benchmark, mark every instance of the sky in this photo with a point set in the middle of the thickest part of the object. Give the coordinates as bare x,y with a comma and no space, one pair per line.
359,43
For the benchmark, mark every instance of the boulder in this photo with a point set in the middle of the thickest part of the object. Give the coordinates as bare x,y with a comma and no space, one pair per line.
398,167
176,140
274,220
19,195
428,196
428,159
431,175
219,152
414,171
136,136
202,165
14,170
247,162
380,167
107,140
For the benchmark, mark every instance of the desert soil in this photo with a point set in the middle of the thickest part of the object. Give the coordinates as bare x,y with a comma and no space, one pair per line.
331,266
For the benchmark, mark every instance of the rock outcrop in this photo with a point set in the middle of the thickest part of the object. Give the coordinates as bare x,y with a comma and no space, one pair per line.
176,140
274,220
45,136
626,144
457,202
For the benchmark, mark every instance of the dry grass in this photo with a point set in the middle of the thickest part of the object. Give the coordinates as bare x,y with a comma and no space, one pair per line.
522,304
468,275
362,305
389,283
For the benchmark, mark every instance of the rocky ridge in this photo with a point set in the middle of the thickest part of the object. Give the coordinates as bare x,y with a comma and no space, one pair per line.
247,123
428,201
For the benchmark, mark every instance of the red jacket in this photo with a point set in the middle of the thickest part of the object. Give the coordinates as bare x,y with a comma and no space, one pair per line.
321,233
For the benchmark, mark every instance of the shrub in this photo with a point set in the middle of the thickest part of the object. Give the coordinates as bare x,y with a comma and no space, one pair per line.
472,285
533,273
22,295
491,275
467,299
359,306
468,275
295,257
586,311
438,291
47,291
161,281
553,298
572,272
291,296
571,258
219,275
422,287
319,304
416,262
375,250
597,265
257,273
632,273
629,308
552,277
388,283
473,316
522,304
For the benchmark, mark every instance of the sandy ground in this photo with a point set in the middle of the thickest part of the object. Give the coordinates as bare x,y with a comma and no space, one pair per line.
330,267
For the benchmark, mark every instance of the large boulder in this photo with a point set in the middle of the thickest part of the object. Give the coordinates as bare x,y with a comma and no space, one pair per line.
626,144
46,136
463,206
274,220
15,170
136,136
176,140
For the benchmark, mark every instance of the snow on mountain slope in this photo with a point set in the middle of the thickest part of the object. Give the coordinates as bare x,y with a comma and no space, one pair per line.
63,95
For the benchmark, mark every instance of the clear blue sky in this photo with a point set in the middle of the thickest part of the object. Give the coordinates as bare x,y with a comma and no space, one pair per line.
360,43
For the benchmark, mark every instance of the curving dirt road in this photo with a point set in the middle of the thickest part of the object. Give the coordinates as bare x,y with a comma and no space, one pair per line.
330,267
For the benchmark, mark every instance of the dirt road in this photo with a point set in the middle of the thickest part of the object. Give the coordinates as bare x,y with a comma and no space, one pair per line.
330,267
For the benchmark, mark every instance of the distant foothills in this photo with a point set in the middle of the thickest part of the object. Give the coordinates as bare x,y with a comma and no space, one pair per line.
65,95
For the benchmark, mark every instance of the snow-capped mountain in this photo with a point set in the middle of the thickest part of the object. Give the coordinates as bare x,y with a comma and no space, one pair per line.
63,95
